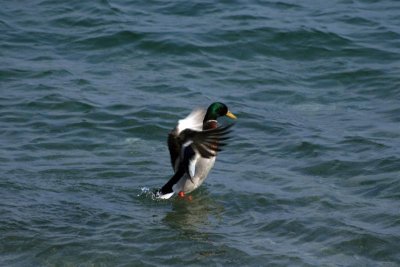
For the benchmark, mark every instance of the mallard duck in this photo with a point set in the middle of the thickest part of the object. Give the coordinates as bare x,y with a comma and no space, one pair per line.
193,145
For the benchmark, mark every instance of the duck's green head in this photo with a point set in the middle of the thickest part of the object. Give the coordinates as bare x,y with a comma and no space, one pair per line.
218,109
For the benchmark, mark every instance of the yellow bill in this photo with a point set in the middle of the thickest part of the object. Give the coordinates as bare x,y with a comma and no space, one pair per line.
230,115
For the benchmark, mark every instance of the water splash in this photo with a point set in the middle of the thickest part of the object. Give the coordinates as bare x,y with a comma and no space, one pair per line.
147,193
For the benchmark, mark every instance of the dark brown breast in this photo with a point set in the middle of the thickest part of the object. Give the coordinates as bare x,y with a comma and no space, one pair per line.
210,125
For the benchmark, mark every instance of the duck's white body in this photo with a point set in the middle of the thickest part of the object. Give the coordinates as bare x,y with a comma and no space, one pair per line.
201,168
198,167
192,144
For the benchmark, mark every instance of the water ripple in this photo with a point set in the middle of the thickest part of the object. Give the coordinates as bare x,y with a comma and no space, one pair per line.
91,91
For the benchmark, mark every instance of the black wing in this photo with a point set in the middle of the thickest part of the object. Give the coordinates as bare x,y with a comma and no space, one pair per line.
174,147
207,142
181,169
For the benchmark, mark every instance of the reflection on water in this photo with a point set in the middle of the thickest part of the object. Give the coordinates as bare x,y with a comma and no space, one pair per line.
195,214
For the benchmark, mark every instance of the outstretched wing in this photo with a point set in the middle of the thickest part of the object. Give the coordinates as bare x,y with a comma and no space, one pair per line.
193,121
207,142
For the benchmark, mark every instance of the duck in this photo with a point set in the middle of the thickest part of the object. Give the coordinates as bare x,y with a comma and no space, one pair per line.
193,145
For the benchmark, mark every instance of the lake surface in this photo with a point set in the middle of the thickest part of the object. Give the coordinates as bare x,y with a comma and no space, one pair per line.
90,89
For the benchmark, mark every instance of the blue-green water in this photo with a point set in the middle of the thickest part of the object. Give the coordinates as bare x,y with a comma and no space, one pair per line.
90,89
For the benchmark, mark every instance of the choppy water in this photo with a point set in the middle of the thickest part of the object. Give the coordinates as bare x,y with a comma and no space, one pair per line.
90,89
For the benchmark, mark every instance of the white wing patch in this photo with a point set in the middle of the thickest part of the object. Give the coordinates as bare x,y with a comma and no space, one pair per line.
192,166
193,121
